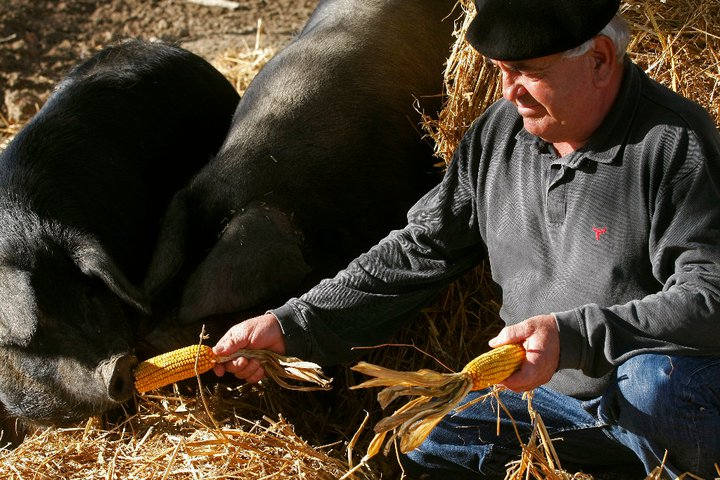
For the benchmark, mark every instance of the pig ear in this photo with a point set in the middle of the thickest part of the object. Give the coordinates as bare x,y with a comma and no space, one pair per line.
18,311
256,259
92,259
169,254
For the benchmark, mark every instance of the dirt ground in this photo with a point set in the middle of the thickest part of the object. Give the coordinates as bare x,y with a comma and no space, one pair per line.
41,40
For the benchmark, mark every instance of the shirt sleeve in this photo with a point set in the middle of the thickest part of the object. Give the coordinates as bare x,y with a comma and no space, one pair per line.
368,301
684,316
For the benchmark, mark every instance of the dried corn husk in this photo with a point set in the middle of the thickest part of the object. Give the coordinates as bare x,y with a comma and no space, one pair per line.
437,394
287,370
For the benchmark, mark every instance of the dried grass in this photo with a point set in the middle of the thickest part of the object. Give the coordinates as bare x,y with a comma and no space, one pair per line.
8,128
172,437
678,43
240,66
264,432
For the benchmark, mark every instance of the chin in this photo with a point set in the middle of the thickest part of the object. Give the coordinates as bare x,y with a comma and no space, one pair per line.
540,128
535,129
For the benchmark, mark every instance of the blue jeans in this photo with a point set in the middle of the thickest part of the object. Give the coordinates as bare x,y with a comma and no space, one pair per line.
654,403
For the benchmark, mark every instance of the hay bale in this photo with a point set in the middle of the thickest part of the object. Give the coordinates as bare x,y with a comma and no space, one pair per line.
678,44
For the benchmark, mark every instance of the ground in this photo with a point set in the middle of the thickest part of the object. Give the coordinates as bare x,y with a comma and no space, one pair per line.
42,39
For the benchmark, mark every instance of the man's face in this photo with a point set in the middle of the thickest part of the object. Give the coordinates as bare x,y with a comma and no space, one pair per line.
554,95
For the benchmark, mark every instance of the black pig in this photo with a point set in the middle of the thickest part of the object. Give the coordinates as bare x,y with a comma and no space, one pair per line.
82,191
324,157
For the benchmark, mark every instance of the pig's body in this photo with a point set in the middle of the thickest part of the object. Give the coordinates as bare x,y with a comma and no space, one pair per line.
324,157
82,190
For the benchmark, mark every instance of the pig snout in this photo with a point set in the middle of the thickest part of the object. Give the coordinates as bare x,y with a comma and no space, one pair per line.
61,390
117,375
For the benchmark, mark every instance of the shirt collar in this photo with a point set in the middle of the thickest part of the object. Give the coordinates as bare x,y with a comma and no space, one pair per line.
604,145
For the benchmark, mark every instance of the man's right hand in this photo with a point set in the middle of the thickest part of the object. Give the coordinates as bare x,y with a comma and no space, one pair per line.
257,333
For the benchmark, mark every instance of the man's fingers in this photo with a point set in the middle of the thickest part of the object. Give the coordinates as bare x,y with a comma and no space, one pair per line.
533,373
255,377
257,333
237,365
219,369
249,370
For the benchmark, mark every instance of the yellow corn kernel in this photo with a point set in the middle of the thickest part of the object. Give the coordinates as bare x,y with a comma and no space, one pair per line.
494,366
172,367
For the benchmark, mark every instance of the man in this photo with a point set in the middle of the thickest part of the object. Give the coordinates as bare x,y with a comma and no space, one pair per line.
595,193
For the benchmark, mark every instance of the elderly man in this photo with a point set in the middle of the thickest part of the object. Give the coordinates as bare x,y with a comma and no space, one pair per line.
595,192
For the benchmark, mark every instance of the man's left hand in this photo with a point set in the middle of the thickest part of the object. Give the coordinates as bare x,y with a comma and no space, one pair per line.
541,339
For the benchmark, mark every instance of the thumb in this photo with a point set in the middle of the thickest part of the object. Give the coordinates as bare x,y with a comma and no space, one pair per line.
506,336
233,340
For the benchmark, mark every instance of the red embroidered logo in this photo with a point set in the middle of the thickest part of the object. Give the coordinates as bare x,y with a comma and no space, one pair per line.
599,231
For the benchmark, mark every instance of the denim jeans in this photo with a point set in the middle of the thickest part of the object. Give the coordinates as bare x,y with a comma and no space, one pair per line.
654,404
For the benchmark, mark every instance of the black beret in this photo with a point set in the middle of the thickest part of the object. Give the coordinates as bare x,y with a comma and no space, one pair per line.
523,29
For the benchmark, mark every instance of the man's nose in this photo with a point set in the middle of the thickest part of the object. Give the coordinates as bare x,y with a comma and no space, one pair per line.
512,88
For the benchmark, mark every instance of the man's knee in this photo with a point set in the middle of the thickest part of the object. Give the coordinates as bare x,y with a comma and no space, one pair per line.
433,461
649,384
669,404
662,385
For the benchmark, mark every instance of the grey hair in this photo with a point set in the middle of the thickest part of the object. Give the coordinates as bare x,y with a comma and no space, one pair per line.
616,30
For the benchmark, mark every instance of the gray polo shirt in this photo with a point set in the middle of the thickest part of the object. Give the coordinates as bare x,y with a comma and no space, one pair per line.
620,240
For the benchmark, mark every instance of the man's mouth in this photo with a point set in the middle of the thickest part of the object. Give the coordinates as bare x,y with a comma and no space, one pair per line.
528,107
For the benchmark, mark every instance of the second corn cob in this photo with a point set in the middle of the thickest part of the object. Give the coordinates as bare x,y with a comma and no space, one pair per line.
494,366
436,394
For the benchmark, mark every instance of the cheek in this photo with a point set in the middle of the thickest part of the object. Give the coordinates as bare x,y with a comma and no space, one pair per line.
558,105
570,101
542,95
542,105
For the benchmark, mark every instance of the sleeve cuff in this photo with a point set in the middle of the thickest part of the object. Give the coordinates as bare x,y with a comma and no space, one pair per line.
294,328
573,339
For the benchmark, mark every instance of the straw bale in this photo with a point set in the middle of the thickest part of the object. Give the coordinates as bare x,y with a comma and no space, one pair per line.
678,43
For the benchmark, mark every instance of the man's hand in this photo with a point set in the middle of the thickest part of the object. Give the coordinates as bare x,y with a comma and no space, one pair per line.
258,333
541,339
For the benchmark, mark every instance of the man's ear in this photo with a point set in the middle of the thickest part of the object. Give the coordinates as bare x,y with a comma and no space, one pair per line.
605,62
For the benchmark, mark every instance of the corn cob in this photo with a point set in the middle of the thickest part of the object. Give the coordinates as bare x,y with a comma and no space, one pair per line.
494,366
180,364
173,366
436,394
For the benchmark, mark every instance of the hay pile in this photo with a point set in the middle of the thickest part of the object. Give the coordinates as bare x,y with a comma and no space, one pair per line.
264,432
172,436
678,43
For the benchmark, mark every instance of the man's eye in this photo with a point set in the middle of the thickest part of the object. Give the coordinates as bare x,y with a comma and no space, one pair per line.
532,75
